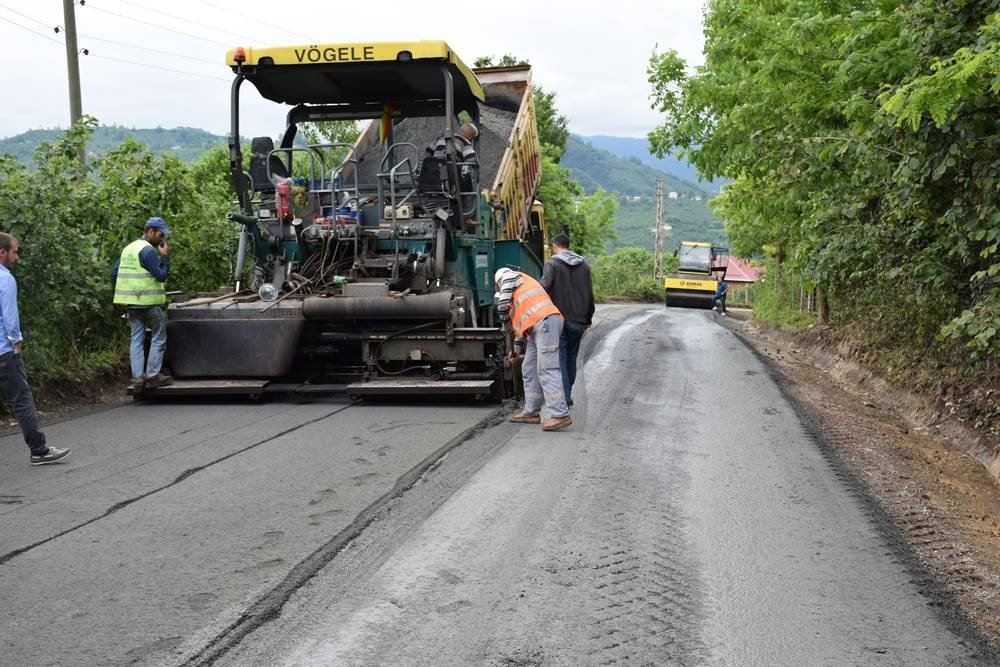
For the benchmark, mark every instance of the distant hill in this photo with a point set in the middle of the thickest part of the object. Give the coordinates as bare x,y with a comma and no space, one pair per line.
186,143
616,164
595,167
639,148
635,183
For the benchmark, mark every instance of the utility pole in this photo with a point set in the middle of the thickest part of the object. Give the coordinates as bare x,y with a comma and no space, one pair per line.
73,70
660,232
72,63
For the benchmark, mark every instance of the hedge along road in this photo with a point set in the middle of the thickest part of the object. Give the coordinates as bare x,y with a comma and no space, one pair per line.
687,516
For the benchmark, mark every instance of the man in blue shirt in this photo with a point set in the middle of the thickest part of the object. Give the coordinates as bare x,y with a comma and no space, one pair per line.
138,278
720,295
13,380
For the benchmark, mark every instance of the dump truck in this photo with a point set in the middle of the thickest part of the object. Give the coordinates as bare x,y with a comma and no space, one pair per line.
370,274
700,265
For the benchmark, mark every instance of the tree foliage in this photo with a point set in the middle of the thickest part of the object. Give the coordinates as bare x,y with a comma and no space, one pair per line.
861,139
72,223
587,219
628,274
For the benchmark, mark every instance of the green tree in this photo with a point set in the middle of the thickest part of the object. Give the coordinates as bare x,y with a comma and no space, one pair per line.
73,222
588,220
331,132
506,60
553,127
862,144
627,274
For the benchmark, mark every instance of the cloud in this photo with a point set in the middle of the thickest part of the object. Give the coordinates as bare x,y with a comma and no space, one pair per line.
162,64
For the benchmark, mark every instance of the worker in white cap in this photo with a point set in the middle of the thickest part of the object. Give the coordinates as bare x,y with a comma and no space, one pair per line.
533,316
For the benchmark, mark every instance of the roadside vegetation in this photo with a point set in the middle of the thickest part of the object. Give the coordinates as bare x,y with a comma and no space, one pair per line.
862,145
72,221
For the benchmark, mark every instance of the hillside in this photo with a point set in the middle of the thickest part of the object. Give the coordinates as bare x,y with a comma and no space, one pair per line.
635,183
186,143
630,147
632,177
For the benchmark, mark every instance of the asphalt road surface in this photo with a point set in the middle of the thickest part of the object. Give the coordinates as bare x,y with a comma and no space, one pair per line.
690,515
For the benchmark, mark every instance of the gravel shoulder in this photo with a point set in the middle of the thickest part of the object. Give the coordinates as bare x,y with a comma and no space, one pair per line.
940,496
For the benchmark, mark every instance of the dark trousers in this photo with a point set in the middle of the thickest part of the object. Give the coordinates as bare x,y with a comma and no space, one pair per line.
14,383
569,348
720,302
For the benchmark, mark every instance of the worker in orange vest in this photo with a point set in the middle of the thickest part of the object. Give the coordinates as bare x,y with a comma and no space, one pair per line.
533,316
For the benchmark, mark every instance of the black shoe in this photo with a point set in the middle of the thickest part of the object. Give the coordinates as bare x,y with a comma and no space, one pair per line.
160,380
51,456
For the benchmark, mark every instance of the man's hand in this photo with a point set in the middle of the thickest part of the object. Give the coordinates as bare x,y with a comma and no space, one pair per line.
17,348
163,248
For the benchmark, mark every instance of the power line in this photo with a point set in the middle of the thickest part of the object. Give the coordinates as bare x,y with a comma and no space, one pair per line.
35,32
266,25
154,25
14,11
146,48
121,60
185,19
162,69
101,39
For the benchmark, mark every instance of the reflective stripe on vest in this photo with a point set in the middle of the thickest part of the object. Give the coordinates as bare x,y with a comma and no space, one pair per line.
135,285
531,304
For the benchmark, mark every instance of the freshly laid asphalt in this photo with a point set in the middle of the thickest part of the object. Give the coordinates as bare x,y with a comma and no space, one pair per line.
690,515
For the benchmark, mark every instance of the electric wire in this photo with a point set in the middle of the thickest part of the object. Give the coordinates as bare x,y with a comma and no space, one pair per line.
60,28
186,20
266,25
34,32
146,48
154,25
30,18
156,67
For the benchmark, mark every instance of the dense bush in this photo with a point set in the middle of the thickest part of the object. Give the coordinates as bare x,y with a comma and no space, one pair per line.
863,140
627,274
72,222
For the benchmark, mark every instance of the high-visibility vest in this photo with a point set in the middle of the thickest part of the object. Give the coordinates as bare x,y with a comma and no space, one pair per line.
135,285
530,305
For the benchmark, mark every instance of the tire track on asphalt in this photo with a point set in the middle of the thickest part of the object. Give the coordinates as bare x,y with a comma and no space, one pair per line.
529,563
7,557
641,588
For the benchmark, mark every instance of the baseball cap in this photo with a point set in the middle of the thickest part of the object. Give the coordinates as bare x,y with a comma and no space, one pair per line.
157,223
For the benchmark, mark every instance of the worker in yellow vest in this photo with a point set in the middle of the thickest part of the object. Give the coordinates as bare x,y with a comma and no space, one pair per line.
535,318
138,278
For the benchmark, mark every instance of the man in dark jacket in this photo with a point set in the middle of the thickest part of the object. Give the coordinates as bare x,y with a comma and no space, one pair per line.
566,278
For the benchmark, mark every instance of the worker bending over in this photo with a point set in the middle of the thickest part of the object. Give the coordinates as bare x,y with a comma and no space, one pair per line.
533,316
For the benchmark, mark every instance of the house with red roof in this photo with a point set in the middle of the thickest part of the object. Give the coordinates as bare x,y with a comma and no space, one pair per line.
740,273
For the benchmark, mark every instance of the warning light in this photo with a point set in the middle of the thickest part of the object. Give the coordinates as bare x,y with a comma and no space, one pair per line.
239,54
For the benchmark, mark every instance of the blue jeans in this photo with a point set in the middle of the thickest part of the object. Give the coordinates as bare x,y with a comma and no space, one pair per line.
14,383
540,369
139,320
569,348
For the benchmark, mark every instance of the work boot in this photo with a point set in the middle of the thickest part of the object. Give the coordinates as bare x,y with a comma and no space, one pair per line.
138,384
526,418
556,423
159,380
50,456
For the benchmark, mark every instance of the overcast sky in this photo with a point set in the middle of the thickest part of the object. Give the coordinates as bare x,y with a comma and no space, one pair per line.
162,64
